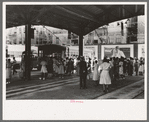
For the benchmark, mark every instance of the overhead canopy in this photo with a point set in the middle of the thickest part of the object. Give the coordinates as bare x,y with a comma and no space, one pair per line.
79,19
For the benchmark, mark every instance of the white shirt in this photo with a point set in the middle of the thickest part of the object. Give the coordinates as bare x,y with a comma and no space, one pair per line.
118,53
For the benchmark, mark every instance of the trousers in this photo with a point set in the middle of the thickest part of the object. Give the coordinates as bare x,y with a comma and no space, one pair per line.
83,80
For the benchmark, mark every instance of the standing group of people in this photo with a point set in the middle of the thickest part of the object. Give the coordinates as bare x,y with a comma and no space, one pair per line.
51,66
56,66
10,69
113,69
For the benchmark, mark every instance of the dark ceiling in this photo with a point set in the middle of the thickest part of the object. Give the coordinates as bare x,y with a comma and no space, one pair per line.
79,19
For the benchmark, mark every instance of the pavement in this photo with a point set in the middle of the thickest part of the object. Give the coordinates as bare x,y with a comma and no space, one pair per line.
68,88
126,92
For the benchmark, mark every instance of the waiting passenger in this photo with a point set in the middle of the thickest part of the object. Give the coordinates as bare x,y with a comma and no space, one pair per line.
105,79
43,69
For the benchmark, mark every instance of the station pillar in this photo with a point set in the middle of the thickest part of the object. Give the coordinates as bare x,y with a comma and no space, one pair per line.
27,51
80,45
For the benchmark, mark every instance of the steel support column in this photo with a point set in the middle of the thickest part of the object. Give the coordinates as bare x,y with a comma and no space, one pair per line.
80,45
27,51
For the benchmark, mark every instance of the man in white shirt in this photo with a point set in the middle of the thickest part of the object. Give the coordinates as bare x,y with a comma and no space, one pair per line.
118,53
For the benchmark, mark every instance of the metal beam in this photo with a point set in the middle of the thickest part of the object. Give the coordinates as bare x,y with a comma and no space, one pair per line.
76,14
61,18
42,12
108,11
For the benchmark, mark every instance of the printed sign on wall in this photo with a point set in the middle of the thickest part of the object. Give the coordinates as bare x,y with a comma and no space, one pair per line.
107,50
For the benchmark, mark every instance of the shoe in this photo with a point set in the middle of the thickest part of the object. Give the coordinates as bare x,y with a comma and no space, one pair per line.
43,78
40,78
62,77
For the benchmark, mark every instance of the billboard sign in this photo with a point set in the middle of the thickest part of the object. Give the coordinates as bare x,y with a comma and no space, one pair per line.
107,50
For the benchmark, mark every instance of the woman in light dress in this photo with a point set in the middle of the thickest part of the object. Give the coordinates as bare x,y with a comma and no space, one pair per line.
141,67
8,71
78,66
105,79
89,72
61,68
95,73
43,69
55,66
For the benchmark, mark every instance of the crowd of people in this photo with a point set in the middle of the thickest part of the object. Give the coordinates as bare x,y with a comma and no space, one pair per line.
105,71
109,70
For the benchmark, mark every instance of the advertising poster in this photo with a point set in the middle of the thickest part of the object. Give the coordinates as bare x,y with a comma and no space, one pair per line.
141,50
107,50
95,50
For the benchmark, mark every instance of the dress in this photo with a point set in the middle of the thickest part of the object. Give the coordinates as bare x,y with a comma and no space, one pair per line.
141,68
121,68
55,66
61,68
95,73
43,67
105,77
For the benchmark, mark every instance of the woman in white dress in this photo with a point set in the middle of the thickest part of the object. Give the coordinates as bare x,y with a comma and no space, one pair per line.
43,69
95,73
61,68
55,66
104,75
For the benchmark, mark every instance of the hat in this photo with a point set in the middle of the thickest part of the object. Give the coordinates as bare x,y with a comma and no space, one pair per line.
81,57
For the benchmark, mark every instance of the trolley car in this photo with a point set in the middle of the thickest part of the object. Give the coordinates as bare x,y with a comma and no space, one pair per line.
51,49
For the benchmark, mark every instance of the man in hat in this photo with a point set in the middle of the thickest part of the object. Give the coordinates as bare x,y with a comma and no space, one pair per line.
83,72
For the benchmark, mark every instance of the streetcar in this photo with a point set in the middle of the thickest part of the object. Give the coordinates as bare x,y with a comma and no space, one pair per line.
51,49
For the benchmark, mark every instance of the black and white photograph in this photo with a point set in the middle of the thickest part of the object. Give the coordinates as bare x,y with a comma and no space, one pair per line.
74,60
